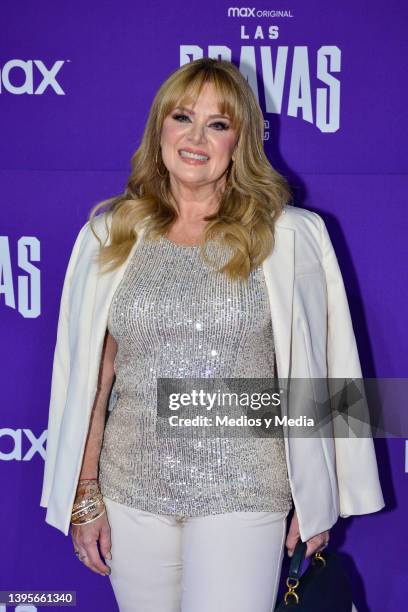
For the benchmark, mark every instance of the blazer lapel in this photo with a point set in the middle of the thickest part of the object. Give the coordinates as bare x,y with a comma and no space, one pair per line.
279,272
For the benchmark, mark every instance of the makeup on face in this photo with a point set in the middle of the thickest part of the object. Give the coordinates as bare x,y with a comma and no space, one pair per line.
199,137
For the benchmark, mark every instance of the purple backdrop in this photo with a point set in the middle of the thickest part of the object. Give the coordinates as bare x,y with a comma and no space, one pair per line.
77,82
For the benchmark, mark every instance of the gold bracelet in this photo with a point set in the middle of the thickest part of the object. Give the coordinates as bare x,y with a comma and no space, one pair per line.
92,508
86,501
91,502
87,511
91,520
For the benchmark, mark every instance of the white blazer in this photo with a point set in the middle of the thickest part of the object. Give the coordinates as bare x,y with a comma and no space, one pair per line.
314,338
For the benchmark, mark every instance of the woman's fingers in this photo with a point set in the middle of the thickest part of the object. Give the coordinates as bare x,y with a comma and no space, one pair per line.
105,540
314,544
291,543
317,543
293,535
85,538
93,559
87,557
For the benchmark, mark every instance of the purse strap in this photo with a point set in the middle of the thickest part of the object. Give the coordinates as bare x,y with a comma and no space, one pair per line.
297,560
293,579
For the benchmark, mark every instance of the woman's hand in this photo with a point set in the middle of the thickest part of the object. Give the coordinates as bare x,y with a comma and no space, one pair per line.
317,542
85,538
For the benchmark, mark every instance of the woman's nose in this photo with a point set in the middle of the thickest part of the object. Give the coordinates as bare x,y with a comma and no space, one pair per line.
196,133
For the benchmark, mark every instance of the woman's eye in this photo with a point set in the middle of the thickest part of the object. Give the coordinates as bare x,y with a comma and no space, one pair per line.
177,117
224,126
221,124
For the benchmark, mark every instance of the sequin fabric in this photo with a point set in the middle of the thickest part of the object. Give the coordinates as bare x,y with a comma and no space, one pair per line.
174,316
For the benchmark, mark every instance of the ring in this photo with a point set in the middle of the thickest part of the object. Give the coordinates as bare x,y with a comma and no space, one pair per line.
78,554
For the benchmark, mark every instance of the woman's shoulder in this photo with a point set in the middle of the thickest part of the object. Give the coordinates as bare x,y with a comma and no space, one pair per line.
300,216
304,222
99,225
88,242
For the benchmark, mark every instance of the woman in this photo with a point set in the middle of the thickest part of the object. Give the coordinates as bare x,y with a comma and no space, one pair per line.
209,275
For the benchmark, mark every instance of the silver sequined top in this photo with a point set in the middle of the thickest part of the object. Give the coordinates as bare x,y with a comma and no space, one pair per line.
174,316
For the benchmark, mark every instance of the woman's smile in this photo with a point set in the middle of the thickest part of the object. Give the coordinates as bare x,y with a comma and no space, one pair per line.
192,158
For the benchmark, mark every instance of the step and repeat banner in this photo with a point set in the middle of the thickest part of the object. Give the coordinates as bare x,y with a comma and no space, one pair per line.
76,84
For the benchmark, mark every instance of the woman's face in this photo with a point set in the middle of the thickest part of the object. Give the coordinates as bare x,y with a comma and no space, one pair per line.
198,129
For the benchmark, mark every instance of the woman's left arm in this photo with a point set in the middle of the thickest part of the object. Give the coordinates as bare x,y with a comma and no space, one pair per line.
356,464
358,482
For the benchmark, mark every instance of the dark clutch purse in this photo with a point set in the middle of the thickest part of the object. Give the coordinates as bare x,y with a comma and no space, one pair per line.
323,587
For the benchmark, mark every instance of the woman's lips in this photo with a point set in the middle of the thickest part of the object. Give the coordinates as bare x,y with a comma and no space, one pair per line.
192,161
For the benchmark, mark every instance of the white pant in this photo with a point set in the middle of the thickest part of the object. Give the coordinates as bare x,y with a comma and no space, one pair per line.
217,563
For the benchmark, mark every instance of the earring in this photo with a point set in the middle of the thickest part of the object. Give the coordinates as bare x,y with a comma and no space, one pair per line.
157,167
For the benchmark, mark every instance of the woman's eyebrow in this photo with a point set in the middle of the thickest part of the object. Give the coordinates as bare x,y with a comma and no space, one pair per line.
192,112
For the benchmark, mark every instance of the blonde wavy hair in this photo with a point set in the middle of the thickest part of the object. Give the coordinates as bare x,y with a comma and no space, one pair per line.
255,192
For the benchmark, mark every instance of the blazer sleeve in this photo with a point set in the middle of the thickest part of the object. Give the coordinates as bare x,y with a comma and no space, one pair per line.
60,372
356,464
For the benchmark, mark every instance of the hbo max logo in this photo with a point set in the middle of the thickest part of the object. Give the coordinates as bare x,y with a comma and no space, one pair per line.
21,445
30,77
243,11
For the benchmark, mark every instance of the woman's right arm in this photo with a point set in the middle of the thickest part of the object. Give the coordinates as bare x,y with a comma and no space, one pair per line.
97,425
85,536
